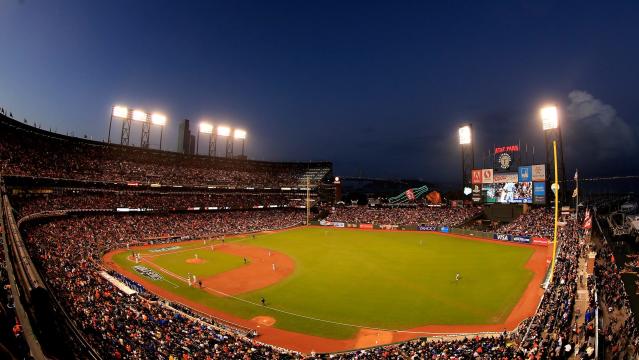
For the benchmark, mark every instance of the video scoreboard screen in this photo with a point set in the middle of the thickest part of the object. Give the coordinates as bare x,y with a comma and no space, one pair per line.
526,186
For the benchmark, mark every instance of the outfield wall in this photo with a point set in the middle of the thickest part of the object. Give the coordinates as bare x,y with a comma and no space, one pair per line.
441,229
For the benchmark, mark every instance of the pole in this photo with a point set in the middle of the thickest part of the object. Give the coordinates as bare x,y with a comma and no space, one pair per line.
577,203
161,133
308,201
197,143
554,243
110,122
243,140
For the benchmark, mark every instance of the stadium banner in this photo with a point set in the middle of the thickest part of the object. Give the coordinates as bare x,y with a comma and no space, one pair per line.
339,224
476,179
505,178
540,241
539,193
476,193
538,173
502,237
426,228
521,239
525,174
389,227
365,226
487,176
326,223
444,229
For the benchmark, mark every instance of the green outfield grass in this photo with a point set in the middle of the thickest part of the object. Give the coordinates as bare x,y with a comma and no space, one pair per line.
393,280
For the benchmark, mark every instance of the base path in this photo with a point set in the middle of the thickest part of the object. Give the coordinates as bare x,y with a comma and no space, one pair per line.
259,274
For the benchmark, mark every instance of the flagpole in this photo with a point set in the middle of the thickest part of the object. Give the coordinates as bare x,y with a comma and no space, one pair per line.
577,187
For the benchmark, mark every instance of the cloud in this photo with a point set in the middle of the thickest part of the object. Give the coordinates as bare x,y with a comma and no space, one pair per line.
595,131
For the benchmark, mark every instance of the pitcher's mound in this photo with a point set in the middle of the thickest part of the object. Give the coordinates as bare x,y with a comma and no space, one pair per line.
264,320
195,261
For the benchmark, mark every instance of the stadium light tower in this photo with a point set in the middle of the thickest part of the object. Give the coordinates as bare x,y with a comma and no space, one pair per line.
467,153
159,120
120,112
204,128
240,135
143,117
225,131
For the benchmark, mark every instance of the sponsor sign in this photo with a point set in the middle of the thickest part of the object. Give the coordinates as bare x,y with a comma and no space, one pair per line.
510,148
538,172
505,178
326,223
539,193
426,228
487,176
388,227
365,226
525,173
476,176
521,239
444,229
339,224
502,237
540,241
476,193
143,270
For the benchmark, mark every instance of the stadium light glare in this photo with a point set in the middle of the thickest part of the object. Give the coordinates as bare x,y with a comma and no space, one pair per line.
120,112
139,115
224,131
206,128
549,117
158,119
239,134
464,135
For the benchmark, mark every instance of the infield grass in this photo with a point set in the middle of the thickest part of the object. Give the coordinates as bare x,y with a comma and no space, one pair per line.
392,280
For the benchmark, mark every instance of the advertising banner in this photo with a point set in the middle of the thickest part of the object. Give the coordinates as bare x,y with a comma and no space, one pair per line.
365,226
487,176
522,239
525,174
539,173
539,193
539,241
476,176
339,224
505,178
444,229
426,228
502,237
476,193
388,227
326,223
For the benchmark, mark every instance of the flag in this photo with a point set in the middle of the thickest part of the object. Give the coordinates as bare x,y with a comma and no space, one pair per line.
576,175
587,220
574,193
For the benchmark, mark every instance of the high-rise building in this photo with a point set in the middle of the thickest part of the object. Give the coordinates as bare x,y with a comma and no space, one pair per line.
186,141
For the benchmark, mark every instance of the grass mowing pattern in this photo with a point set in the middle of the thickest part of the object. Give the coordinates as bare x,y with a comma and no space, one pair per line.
395,280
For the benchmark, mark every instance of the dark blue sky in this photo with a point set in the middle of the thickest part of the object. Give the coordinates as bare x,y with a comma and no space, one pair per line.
379,88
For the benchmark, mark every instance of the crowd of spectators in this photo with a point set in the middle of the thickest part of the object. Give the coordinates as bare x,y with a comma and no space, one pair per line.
109,200
432,216
620,335
36,155
536,222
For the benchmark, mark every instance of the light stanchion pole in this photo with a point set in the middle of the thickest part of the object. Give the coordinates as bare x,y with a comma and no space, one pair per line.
110,123
556,191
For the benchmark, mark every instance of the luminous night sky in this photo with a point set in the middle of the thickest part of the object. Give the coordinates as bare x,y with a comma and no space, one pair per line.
379,88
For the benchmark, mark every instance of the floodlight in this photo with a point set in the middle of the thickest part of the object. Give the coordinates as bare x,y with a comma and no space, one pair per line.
206,128
239,134
120,112
549,117
158,119
464,135
224,131
139,115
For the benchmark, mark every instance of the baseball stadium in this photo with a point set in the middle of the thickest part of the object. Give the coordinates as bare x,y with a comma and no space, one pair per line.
314,181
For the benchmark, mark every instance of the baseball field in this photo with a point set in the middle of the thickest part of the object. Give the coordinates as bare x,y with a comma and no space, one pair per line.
328,289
